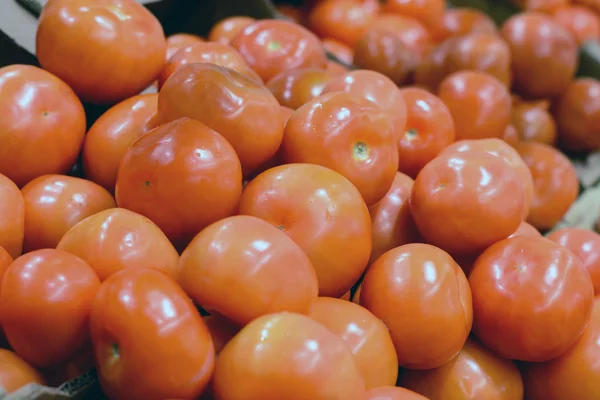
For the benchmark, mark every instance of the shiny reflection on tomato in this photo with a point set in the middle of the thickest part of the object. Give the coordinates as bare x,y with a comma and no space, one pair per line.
297,87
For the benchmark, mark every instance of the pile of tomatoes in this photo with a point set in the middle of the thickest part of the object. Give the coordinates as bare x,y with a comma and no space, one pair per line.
272,225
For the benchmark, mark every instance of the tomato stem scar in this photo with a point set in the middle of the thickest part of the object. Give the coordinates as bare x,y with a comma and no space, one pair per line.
411,133
147,183
361,151
273,46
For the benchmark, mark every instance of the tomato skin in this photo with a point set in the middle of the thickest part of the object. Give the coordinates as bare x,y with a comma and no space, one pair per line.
16,373
534,123
225,30
45,300
106,50
49,119
183,176
141,309
309,361
249,254
294,88
393,393
583,23
180,41
322,212
335,68
340,50
409,30
463,20
242,110
429,12
55,203
367,337
545,6
12,217
541,279
526,229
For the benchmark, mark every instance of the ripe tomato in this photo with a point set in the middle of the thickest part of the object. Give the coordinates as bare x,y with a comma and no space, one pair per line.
42,116
309,362
480,196
106,50
429,129
429,12
55,203
180,41
111,135
476,373
270,272
555,181
225,30
534,123
294,88
183,176
409,30
286,113
45,300
335,68
545,6
348,134
537,43
368,338
393,393
221,330
511,136
12,217
463,20
16,373
423,297
479,103
142,309
322,212
526,229
5,260
340,50
543,281
582,22
272,46
240,109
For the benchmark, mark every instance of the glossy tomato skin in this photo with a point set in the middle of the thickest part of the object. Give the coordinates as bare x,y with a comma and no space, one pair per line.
5,260
141,309
461,21
526,229
322,212
272,46
429,12
348,134
225,30
240,109
180,41
12,217
111,135
117,239
393,393
541,279
368,338
183,176
43,116
55,203
582,22
544,6
106,50
294,88
45,301
340,50
534,123
16,373
309,361
415,36
270,272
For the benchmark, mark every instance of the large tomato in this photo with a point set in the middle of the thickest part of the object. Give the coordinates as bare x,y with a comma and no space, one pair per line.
16,373
308,361
146,330
294,88
225,30
423,297
322,212
106,50
534,123
183,176
45,300
461,21
12,217
543,281
43,124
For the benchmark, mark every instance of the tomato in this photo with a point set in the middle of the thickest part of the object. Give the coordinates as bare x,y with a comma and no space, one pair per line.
111,135
429,12
45,300
55,203
225,30
322,212
42,115
537,43
348,134
294,88
534,123
543,281
476,373
573,375
287,356
247,253
526,229
16,373
335,68
272,46
463,20
340,50
347,295
240,109
221,330
105,50
546,6
480,197
577,114
294,13
429,129
180,41
555,181
12,217
393,393
511,136
423,297
409,30
141,309
582,22
183,176
392,222
367,337
5,260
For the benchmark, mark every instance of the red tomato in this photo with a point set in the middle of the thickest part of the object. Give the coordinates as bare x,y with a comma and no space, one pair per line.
183,176
221,330
42,116
225,30
429,12
322,212
309,362
340,50
546,6
543,281
146,330
16,373
240,109
463,20
106,50
368,338
526,229
55,203
12,217
534,123
423,297
180,41
294,88
409,30
582,22
393,393
348,134
45,300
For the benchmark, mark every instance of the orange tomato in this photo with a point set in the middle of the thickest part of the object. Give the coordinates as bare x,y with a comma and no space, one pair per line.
16,373
409,30
525,229
429,12
582,22
225,30
393,393
546,6
180,41
340,50
12,217
511,136
335,68
534,123
221,330
463,20
296,87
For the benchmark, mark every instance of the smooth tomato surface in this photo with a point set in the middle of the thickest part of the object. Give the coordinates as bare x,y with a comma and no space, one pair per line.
534,123
461,21
12,217
393,393
225,30
16,373
410,31
429,12
582,22
341,51
180,41
294,88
